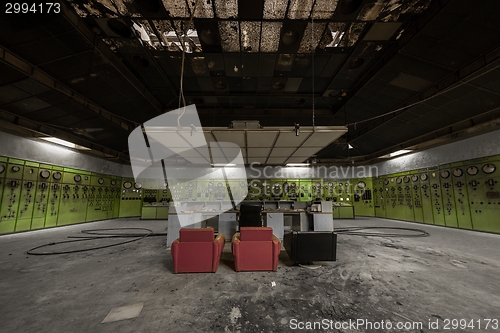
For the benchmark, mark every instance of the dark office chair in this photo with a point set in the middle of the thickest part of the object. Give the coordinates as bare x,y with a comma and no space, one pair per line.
307,246
250,216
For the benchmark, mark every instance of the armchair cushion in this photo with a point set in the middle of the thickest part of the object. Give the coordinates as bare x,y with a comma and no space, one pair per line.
256,234
255,249
197,251
196,235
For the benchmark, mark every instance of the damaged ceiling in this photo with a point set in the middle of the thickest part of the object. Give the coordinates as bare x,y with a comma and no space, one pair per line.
397,73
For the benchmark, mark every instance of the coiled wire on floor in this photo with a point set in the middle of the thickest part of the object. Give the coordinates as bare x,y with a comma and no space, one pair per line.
98,234
357,231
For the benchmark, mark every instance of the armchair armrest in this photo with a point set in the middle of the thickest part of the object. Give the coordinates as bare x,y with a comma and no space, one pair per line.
174,250
218,247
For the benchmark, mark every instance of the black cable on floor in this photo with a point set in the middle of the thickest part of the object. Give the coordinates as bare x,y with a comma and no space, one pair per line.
137,236
356,231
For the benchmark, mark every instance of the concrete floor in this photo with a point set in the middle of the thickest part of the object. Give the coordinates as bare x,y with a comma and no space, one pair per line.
453,274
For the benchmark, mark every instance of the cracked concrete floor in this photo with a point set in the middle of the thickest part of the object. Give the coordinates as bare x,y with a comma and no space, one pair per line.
453,274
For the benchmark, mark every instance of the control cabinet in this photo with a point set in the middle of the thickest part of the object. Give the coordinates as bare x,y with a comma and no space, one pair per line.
75,193
425,194
27,196
41,199
11,197
448,196
131,198
363,197
291,189
484,194
436,197
379,197
54,197
305,190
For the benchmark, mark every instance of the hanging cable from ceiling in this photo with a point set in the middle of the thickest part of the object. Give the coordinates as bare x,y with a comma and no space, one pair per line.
312,60
183,59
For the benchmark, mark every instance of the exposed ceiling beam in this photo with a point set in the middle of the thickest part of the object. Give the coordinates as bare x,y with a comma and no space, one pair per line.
42,77
107,54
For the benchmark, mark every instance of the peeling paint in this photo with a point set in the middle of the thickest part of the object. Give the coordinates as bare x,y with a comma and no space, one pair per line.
229,33
312,36
352,35
300,9
250,36
176,8
147,35
333,35
270,39
324,9
275,9
225,9
203,8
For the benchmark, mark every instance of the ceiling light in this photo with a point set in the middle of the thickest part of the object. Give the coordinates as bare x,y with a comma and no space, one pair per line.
349,146
297,164
290,37
397,153
223,164
64,143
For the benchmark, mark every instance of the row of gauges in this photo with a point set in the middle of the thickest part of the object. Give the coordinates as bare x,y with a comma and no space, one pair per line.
128,185
45,174
471,171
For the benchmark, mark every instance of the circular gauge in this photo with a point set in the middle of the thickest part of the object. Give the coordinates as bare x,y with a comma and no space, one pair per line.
15,168
472,170
489,168
361,184
458,172
399,180
386,181
100,181
392,180
414,178
424,177
445,174
406,179
85,188
113,182
77,178
318,185
2,168
330,184
76,187
255,184
45,174
292,184
138,185
127,185
219,184
57,175
66,187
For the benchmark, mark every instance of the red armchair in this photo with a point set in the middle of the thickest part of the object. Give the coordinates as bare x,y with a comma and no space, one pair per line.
255,249
196,250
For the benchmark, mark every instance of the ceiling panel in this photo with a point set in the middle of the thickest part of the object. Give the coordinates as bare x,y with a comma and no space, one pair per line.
237,137
261,138
290,139
258,152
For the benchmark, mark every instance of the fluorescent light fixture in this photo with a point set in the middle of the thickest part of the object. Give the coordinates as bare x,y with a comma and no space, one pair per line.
223,164
297,164
397,153
64,143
